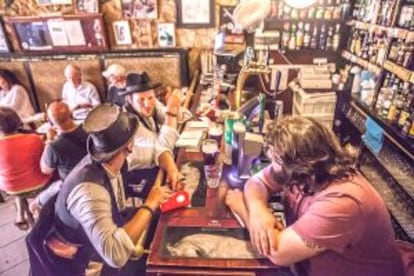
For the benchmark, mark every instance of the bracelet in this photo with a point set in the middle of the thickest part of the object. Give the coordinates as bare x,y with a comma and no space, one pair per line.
171,114
146,207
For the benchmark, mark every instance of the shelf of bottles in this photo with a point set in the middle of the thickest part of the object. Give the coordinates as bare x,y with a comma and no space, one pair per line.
361,62
390,31
318,27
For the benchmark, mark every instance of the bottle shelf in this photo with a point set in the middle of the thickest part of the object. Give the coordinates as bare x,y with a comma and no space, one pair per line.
399,169
391,31
399,71
390,133
361,62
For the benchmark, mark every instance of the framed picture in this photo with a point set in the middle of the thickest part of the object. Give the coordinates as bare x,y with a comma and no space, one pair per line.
232,34
82,32
195,13
87,6
140,9
4,44
122,32
166,34
142,33
54,2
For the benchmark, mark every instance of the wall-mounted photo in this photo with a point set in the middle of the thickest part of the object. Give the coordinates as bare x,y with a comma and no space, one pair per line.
142,34
54,2
34,35
195,13
87,6
140,9
166,34
4,45
122,32
232,34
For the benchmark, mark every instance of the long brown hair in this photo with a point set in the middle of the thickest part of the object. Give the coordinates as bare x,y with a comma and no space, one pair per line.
308,152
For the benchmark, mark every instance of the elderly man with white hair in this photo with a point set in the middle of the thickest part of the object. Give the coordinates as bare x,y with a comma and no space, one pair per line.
116,77
81,96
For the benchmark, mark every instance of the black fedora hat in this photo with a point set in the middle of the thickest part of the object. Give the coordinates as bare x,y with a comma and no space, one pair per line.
109,130
136,83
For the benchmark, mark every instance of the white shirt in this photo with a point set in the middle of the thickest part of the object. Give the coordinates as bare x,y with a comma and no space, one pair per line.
167,135
17,99
85,93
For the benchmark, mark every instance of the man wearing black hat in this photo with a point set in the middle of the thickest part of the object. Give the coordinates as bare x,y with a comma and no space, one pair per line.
89,208
160,121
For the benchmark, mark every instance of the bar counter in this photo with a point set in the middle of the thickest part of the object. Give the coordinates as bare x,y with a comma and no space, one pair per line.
212,217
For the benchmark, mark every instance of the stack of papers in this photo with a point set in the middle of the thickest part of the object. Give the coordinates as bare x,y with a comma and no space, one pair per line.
192,135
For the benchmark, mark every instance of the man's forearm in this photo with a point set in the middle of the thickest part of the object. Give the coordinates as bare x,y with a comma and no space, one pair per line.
256,194
166,161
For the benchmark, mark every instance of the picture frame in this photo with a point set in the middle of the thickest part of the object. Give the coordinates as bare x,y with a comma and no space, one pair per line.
166,34
232,34
142,34
82,32
122,32
4,43
140,9
195,13
87,6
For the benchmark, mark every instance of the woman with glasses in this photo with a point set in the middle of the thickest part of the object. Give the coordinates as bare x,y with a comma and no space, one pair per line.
337,223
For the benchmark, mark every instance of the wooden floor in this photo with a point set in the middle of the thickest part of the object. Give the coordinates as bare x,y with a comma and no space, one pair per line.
13,254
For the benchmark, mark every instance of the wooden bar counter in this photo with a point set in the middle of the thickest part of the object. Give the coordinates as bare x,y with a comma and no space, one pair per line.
211,218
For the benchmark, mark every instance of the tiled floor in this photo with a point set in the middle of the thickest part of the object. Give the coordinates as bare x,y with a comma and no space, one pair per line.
13,254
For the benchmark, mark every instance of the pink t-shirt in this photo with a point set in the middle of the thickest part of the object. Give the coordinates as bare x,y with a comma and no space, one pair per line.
349,219
20,163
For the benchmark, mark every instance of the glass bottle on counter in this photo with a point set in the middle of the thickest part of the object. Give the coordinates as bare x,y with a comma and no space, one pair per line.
329,39
292,40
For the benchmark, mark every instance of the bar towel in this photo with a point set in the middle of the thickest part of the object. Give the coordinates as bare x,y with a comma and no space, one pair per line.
373,137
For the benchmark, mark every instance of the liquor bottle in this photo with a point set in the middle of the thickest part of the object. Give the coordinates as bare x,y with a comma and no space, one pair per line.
346,9
322,38
405,110
307,37
292,40
314,38
285,36
400,54
294,14
329,39
382,51
408,56
311,12
299,36
320,11
337,9
328,14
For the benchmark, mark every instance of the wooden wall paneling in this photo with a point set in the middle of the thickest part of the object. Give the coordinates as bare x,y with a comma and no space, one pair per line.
165,69
48,77
18,68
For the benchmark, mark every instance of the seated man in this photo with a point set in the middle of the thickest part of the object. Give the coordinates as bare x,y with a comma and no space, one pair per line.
158,120
62,152
338,224
89,215
81,96
115,75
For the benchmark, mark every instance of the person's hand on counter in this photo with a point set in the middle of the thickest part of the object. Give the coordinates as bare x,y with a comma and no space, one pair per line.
157,195
261,225
174,179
